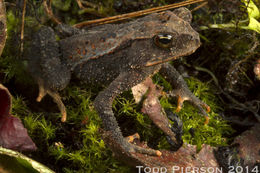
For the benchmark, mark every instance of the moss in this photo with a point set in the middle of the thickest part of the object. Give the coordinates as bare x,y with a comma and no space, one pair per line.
75,145
12,65
195,131
62,5
91,153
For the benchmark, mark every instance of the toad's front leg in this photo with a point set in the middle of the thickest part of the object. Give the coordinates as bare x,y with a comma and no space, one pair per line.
103,105
46,67
181,90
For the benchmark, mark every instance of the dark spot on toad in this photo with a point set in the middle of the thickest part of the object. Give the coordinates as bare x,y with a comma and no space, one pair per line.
102,39
78,51
111,35
164,17
93,46
84,52
2,26
2,32
108,35
183,40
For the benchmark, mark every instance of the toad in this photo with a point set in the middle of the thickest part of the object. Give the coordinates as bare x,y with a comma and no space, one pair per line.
118,56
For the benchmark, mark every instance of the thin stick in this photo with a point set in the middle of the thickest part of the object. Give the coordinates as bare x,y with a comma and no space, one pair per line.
249,54
3,29
135,14
22,27
200,6
90,4
79,4
50,13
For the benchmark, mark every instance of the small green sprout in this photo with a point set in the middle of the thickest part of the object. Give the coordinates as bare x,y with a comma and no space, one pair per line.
48,130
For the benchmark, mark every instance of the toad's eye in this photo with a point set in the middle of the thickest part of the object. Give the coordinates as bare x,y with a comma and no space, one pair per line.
163,40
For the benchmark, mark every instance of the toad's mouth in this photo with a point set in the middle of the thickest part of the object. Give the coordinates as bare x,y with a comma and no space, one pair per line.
161,61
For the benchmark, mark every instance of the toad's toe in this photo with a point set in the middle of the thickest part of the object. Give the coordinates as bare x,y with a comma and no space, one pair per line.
55,96
132,137
133,148
184,95
147,151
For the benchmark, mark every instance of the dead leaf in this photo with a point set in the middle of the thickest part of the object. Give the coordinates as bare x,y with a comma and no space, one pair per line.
13,135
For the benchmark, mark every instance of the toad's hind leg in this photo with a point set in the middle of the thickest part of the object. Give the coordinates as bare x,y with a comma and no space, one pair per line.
103,105
46,66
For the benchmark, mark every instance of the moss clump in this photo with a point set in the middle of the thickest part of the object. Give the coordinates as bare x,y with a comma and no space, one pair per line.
195,131
72,146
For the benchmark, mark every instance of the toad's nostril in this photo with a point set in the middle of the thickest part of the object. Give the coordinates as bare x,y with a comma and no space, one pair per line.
195,38
197,41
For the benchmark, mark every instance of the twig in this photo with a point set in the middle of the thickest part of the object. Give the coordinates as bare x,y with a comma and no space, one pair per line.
88,3
135,14
243,106
237,103
3,26
22,27
250,51
80,4
49,12
200,6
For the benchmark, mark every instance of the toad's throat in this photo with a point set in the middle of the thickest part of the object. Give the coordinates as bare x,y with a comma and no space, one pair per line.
151,63
161,61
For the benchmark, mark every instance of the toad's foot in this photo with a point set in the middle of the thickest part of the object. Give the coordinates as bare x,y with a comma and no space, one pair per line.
181,90
133,137
128,145
47,68
136,137
183,94
56,98
137,149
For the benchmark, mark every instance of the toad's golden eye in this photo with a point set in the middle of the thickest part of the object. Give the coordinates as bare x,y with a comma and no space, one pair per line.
163,40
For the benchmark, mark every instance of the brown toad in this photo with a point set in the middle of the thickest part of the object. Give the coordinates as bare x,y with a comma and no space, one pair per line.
118,56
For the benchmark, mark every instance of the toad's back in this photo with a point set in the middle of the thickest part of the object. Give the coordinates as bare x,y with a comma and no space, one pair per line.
107,39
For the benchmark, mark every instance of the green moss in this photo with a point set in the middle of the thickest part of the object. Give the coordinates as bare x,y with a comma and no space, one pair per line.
83,152
11,62
195,131
62,5
12,22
